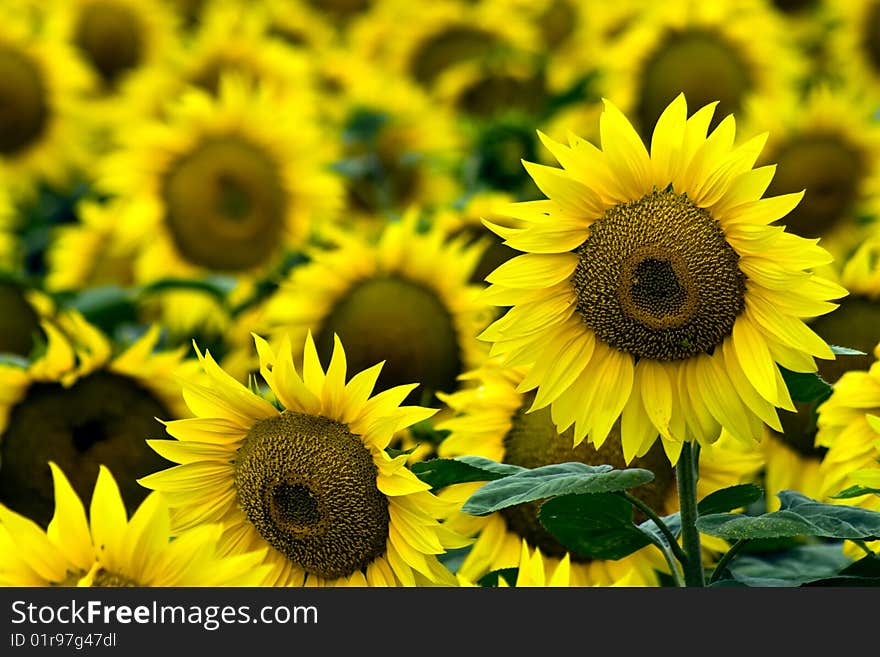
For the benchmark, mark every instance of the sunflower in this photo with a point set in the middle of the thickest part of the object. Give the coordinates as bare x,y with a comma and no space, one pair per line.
492,419
827,143
227,185
389,161
421,41
653,289
41,86
302,24
850,429
90,402
404,299
312,481
724,52
109,549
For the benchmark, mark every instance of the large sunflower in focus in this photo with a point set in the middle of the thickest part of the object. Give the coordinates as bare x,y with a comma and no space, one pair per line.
312,481
491,419
405,299
41,86
726,52
227,185
109,549
82,401
828,144
654,290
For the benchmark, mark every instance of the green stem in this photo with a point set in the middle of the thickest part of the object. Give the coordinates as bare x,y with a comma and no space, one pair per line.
686,474
726,559
662,526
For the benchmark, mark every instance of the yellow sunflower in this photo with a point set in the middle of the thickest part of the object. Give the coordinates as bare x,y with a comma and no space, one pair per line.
41,86
653,289
404,299
227,185
828,143
311,481
849,427
82,401
109,549
492,420
303,24
724,52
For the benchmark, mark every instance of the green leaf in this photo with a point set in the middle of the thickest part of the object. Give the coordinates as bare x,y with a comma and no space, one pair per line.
793,567
864,572
846,351
805,387
14,360
855,491
728,499
672,522
552,481
463,469
798,516
598,525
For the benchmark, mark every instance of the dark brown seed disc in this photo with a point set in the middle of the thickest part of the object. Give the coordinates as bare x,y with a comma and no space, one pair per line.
111,36
24,108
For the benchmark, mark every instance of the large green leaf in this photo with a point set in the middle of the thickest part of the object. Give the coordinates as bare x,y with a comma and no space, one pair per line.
798,516
552,481
598,525
864,572
793,567
672,522
463,469
728,499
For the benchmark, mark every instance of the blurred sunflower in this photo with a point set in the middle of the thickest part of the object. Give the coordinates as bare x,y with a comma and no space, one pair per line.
724,52
849,427
41,85
828,143
492,419
109,549
82,402
388,159
421,41
227,185
302,24
404,299
312,481
654,290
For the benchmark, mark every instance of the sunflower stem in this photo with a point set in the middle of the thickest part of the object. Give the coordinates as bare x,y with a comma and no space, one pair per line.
662,526
727,558
686,474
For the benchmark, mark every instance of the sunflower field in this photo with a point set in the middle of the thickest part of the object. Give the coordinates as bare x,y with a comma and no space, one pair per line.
464,293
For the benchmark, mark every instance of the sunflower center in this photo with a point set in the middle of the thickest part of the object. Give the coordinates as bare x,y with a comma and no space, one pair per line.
341,9
308,485
447,48
799,431
872,36
794,6
702,65
19,324
105,578
829,169
24,111
492,95
225,204
657,279
853,324
398,321
533,441
110,35
101,419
